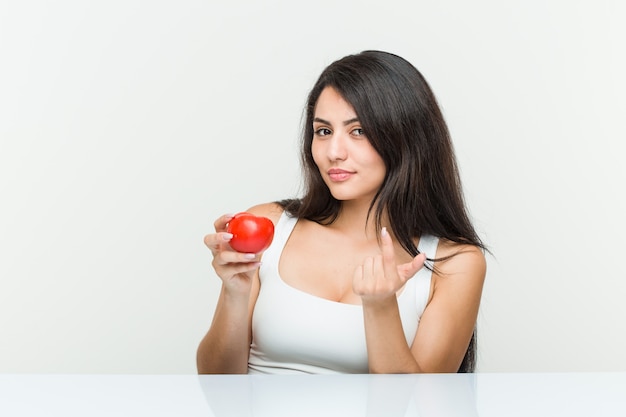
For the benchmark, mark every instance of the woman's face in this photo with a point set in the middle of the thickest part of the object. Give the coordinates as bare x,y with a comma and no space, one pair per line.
348,163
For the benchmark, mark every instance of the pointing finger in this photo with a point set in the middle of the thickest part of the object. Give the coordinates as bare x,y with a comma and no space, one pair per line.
389,254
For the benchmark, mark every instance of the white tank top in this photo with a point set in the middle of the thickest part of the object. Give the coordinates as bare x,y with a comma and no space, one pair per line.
297,332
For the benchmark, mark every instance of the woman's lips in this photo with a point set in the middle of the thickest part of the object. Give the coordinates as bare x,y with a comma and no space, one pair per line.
339,175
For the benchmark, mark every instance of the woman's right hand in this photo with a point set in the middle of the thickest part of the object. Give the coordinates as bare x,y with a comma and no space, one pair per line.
235,269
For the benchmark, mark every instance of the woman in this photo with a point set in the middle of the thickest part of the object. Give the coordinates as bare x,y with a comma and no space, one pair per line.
377,267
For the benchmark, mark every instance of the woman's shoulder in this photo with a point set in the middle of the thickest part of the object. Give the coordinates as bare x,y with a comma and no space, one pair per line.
273,211
459,273
463,259
448,247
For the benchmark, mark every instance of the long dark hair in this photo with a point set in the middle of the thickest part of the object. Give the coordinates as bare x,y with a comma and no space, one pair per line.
421,193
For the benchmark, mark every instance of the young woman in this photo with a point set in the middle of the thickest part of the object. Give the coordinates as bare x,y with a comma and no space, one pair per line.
377,268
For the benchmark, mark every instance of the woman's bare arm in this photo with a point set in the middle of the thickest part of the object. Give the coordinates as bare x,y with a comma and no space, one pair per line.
226,346
446,325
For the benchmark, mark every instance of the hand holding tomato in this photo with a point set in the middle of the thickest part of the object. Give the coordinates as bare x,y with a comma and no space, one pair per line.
235,263
251,234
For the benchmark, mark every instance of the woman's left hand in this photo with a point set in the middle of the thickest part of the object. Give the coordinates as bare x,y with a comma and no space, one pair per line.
380,277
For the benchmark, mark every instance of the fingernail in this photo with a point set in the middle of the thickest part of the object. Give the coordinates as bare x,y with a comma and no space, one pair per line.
249,256
383,232
227,236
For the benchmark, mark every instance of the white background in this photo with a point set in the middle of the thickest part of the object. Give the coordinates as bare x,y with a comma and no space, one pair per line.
127,127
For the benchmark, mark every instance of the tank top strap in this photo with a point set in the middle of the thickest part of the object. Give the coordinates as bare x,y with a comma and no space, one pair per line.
428,245
282,231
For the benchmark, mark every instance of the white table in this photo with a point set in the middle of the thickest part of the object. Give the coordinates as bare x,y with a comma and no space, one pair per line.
482,394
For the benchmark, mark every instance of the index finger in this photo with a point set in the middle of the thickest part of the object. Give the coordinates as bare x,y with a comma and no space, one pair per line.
389,254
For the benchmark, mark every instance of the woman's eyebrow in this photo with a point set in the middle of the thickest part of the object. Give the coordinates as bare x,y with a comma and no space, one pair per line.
320,120
345,123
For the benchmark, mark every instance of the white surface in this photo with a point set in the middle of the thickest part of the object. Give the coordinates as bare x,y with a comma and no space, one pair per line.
484,395
128,126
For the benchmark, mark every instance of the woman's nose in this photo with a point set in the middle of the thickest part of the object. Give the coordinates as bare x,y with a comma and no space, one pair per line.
337,148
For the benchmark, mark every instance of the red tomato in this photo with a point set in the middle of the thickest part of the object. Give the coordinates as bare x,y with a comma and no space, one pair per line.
251,234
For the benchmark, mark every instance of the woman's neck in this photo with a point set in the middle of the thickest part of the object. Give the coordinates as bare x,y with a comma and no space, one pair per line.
353,219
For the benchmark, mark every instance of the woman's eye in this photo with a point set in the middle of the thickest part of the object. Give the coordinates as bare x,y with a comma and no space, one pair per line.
323,131
357,132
